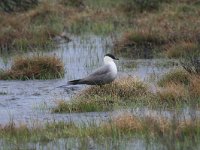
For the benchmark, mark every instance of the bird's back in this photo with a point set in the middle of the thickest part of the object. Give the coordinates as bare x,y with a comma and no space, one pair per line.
103,75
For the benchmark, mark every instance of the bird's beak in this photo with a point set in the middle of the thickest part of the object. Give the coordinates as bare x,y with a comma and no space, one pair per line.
116,58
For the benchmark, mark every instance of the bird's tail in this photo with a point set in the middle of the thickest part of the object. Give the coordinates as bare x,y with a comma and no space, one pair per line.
74,82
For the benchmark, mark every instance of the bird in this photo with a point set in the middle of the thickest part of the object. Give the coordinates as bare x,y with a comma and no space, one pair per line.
103,75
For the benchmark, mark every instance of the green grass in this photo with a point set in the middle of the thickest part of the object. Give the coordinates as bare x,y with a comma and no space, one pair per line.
127,127
85,26
35,67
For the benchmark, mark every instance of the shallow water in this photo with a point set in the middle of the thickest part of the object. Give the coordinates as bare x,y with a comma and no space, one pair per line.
27,101
76,144
136,143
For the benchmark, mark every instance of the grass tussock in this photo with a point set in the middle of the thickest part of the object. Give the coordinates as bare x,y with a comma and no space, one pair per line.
178,87
181,49
106,97
123,88
177,76
126,123
161,129
194,86
36,67
173,93
190,62
139,44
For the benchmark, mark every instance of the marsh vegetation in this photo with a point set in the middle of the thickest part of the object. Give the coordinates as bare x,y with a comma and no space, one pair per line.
165,134
35,67
61,40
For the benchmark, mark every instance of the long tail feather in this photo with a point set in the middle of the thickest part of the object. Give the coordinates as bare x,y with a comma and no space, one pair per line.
74,82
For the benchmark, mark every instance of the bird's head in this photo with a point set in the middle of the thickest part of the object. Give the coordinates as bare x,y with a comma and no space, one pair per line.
109,58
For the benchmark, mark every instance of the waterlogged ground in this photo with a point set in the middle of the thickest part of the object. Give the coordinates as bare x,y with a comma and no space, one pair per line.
73,143
31,101
28,101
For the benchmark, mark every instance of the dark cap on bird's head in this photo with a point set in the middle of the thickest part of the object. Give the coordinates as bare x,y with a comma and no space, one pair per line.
112,56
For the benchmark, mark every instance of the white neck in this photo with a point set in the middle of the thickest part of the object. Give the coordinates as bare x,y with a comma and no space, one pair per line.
108,60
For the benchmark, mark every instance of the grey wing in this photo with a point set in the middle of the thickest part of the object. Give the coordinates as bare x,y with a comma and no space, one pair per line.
101,71
101,75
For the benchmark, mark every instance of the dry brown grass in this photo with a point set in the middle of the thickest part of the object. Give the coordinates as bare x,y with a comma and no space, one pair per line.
154,126
123,88
194,86
127,122
36,67
179,87
34,28
106,97
181,49
139,43
178,76
138,37
12,128
38,26
173,92
169,24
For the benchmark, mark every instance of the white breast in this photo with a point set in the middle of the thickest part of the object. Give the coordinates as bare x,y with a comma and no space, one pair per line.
113,68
